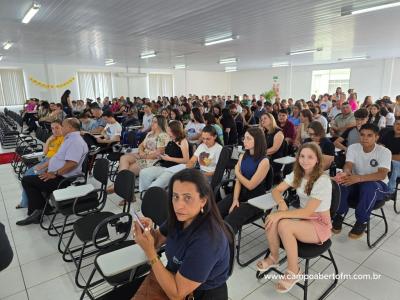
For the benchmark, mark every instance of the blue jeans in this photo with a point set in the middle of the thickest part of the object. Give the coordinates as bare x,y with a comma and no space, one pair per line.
31,172
395,173
364,195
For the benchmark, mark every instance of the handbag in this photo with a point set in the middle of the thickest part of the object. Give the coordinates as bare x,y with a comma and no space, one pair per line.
150,289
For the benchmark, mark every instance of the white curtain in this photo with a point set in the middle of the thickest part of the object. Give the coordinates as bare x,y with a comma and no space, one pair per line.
94,84
12,87
160,85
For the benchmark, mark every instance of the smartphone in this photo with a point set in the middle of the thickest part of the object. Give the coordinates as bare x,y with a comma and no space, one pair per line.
136,218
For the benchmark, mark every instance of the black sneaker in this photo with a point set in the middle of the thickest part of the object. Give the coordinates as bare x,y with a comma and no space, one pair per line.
357,231
337,223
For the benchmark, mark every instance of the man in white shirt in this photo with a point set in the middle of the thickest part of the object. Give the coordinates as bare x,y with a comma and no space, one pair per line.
364,179
146,125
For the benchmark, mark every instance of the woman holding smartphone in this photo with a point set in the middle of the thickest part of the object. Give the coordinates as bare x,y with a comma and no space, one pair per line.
176,152
196,244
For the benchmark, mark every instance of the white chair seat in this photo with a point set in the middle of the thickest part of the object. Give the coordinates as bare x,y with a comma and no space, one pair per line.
264,202
287,160
33,155
72,192
121,260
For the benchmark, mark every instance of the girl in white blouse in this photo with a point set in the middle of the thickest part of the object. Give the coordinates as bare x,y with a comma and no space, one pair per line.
311,223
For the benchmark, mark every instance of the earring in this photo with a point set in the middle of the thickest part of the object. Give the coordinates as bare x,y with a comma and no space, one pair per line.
202,210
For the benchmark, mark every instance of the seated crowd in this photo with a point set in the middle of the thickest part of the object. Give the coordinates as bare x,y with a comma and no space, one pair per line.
328,132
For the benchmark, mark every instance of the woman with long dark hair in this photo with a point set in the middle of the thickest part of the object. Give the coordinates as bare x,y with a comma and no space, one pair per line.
176,152
375,116
67,103
207,153
250,171
195,125
196,243
229,127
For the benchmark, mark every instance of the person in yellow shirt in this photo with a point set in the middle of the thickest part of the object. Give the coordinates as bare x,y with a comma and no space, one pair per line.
50,148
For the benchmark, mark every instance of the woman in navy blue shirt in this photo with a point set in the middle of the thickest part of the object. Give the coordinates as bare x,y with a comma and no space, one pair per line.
250,171
196,239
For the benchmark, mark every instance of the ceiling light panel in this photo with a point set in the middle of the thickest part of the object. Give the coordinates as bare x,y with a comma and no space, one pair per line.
228,60
148,54
178,67
31,13
219,40
7,45
304,51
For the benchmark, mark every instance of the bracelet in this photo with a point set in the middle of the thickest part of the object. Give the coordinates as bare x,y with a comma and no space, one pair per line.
153,261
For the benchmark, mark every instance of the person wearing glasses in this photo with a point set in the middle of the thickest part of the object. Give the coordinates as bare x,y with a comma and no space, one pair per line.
317,135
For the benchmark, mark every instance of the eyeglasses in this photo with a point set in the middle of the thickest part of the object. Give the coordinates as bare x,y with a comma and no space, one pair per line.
311,134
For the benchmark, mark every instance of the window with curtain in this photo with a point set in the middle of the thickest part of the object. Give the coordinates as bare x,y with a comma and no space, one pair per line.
94,84
12,87
160,85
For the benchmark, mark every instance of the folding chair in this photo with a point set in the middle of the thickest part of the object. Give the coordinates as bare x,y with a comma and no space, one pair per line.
121,263
85,227
311,251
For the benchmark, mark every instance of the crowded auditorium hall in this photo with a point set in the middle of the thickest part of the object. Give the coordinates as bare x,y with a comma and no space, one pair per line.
206,150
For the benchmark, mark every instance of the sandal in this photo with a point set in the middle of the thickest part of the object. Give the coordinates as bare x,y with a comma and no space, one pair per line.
262,264
285,285
110,189
122,202
19,206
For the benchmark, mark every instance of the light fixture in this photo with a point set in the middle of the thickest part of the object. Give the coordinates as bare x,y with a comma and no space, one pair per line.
369,9
180,56
228,60
280,64
148,54
178,67
304,51
7,45
230,69
1,57
31,13
213,41
353,58
109,62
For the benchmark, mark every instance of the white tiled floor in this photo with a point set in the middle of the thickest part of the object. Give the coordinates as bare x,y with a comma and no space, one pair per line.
39,273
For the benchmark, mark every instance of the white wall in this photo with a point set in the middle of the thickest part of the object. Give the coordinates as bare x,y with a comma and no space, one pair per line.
201,83
373,77
185,81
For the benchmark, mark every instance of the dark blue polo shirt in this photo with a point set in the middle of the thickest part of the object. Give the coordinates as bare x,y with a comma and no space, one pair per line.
198,253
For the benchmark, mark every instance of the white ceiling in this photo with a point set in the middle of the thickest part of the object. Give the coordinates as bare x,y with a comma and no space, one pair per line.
86,32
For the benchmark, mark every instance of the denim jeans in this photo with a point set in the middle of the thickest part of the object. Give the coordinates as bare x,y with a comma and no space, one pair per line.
395,173
31,172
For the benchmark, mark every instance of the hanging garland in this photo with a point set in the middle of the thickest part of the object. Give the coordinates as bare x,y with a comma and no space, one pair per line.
52,86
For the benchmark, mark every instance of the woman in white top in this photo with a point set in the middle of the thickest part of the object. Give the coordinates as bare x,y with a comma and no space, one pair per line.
149,150
306,118
375,116
194,126
309,224
207,153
